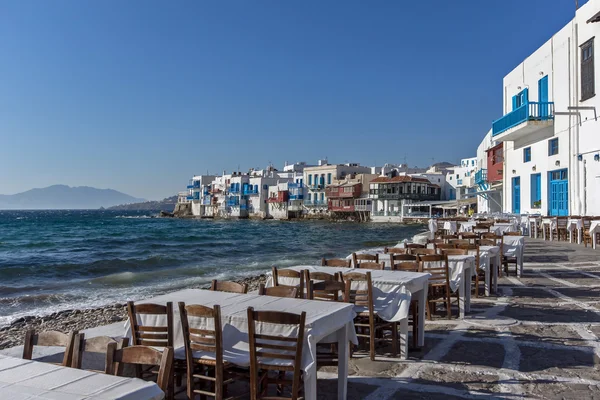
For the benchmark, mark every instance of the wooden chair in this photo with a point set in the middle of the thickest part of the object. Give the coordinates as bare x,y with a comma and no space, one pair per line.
481,228
395,250
535,227
508,260
370,265
206,368
50,338
512,234
230,287
320,276
401,257
443,246
561,228
280,354
447,238
435,241
411,266
142,356
412,246
154,335
96,347
457,242
439,282
366,319
586,237
491,239
420,252
453,252
289,273
278,291
326,290
473,249
470,236
356,258
336,262
503,221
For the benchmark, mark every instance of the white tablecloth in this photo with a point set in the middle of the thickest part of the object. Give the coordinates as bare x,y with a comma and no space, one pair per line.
450,226
323,319
514,246
467,226
574,225
500,227
26,379
594,228
392,290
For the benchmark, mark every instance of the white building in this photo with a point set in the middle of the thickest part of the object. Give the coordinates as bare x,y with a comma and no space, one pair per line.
461,179
550,136
200,187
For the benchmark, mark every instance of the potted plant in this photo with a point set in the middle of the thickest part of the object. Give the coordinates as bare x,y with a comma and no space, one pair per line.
537,204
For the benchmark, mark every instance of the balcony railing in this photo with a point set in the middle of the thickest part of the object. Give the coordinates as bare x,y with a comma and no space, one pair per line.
296,197
315,203
373,194
530,111
249,192
481,176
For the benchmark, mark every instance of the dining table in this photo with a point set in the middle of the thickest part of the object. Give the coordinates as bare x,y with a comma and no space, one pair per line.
575,224
33,380
514,246
551,224
326,322
392,291
594,229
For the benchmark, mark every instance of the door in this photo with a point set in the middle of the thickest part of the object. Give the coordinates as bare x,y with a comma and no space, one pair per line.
516,191
558,193
543,97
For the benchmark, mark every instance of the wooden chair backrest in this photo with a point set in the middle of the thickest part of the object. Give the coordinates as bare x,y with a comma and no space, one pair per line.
454,252
371,265
561,222
468,236
359,297
439,273
156,336
326,290
320,276
356,258
445,246
395,250
202,339
472,249
402,257
587,221
50,338
142,355
503,221
409,266
419,252
447,238
288,273
276,349
481,227
457,242
228,286
415,246
278,291
97,345
512,233
336,262
435,241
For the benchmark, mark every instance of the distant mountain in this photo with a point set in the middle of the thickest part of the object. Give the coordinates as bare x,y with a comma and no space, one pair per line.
65,197
167,204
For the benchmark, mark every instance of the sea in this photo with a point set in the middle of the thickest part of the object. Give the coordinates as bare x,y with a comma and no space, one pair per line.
58,260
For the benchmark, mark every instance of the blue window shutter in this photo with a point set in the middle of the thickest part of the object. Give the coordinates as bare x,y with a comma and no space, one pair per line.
310,179
514,103
525,96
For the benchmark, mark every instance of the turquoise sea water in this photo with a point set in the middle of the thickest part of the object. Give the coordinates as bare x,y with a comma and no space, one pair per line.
55,260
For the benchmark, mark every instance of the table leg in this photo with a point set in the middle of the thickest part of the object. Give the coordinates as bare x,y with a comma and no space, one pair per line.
343,350
579,234
488,269
422,297
462,295
468,283
495,273
570,235
520,264
404,338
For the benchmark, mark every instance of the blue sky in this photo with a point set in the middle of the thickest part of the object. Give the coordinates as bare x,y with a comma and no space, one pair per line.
139,95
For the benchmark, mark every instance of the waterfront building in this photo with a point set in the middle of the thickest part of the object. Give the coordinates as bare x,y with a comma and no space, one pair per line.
461,179
548,134
488,178
200,186
389,195
349,197
317,178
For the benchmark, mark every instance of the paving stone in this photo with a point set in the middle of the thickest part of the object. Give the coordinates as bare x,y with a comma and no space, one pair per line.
581,293
567,362
544,333
327,389
459,380
429,395
543,313
476,353
559,390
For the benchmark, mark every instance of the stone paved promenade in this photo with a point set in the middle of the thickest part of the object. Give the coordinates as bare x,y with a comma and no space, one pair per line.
537,339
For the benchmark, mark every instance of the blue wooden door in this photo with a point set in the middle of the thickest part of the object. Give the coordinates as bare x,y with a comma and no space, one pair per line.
543,96
558,193
516,191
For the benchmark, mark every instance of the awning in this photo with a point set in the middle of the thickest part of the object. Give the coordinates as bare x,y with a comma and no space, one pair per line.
595,18
483,192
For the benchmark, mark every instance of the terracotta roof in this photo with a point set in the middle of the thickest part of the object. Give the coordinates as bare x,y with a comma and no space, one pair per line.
385,179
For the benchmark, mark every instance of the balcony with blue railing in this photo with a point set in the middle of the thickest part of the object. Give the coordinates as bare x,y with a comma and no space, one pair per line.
233,201
196,196
296,197
234,190
530,118
250,191
481,177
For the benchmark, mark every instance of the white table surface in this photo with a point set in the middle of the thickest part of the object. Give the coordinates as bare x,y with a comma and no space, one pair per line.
447,225
575,224
331,321
392,291
500,227
27,379
551,222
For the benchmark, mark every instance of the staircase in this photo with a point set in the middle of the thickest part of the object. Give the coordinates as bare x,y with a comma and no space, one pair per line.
481,181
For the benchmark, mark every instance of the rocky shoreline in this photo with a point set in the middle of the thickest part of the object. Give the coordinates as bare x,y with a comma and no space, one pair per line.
69,320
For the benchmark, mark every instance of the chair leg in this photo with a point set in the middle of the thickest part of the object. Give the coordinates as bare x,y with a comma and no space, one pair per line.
477,284
372,341
448,305
415,331
394,339
428,309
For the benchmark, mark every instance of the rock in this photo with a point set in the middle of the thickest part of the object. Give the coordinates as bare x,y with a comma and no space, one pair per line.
17,321
166,214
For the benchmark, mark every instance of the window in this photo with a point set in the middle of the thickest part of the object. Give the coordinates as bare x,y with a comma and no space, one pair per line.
457,176
526,154
520,99
322,196
329,178
309,197
587,70
472,163
536,190
310,179
553,147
